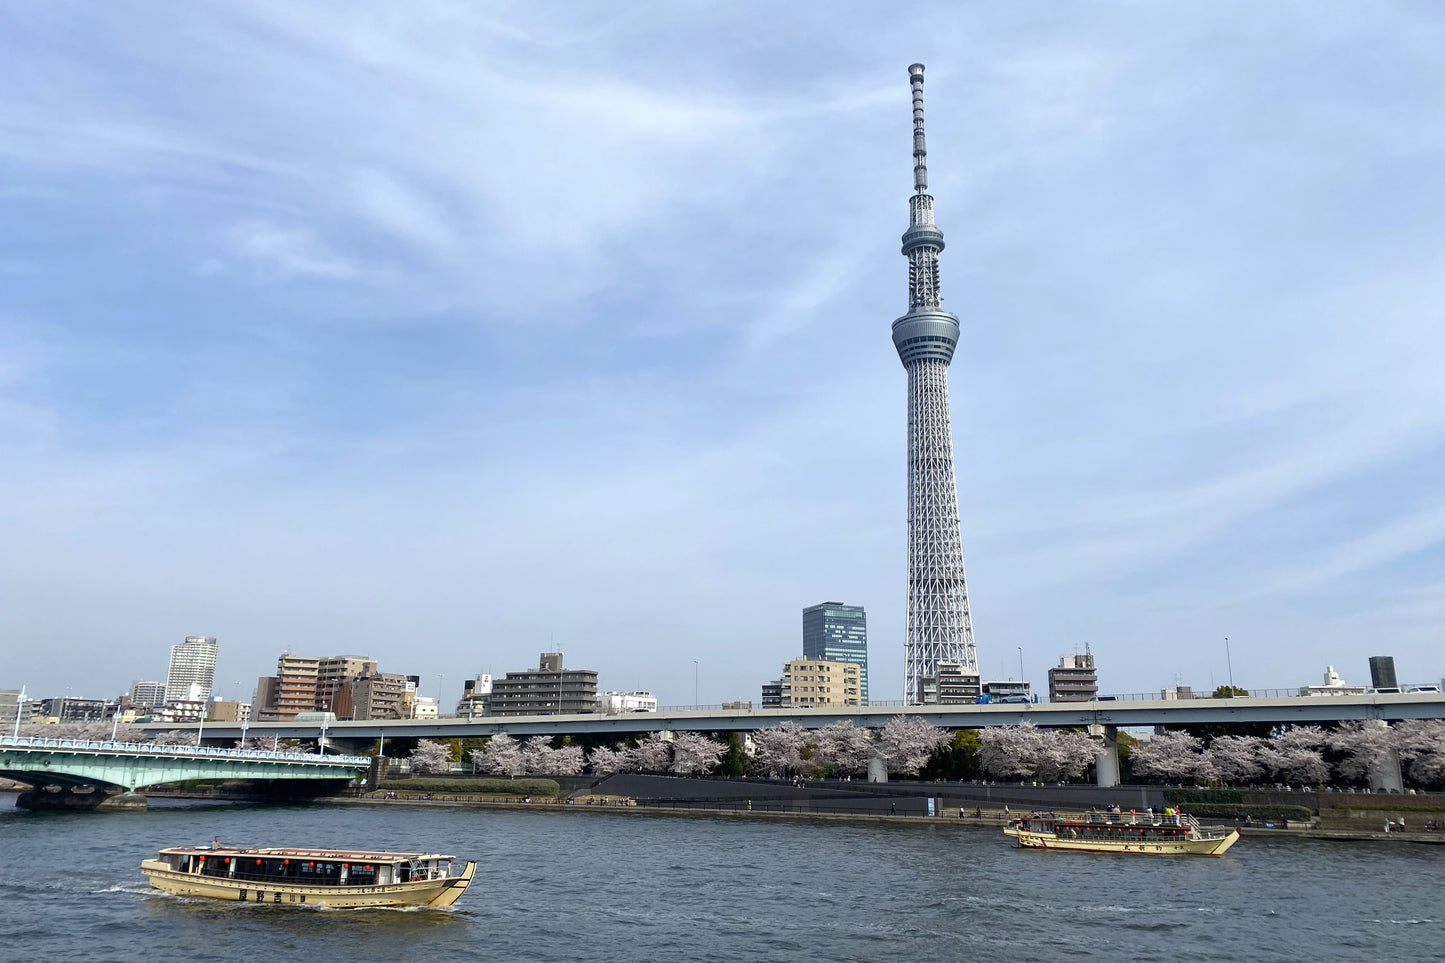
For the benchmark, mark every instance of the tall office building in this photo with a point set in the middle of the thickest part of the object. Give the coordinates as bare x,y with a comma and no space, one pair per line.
193,662
832,630
940,628
1382,672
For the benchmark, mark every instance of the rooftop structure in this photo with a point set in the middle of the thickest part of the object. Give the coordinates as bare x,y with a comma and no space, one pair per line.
1333,686
940,627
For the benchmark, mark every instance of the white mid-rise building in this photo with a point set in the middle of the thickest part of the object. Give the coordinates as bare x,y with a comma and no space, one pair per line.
148,694
613,703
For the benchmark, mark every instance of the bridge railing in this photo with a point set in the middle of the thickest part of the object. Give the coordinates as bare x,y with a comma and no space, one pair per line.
721,708
1160,697
152,749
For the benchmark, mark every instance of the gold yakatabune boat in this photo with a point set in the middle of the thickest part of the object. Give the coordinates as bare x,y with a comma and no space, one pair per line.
1151,834
321,877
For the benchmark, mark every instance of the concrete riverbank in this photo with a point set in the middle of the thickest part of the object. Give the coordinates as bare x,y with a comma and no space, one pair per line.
991,819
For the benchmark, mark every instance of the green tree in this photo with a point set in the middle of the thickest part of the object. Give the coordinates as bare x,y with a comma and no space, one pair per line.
1230,692
734,761
1126,744
956,760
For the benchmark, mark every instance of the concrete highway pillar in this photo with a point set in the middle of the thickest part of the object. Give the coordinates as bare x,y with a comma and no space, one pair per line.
877,768
1106,767
1384,770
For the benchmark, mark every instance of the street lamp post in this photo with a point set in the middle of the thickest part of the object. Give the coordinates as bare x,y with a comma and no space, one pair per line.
1021,663
694,683
325,715
19,707
246,718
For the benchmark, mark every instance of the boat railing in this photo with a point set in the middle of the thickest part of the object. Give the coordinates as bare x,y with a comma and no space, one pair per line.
1107,818
153,749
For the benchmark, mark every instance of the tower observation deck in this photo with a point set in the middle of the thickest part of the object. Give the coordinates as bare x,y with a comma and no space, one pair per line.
940,628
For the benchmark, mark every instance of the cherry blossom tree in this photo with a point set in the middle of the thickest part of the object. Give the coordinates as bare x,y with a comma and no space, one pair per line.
906,744
604,761
1236,759
174,737
1026,751
537,755
652,753
1362,745
843,748
430,758
568,761
1294,755
501,756
1422,749
778,752
695,752
1068,755
1010,752
1171,756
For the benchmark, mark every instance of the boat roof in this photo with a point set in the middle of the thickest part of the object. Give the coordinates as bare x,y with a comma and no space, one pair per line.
348,855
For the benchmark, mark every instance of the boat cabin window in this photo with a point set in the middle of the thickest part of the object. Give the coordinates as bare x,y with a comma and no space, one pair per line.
361,874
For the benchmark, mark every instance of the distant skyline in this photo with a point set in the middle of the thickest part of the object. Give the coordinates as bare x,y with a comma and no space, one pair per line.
455,335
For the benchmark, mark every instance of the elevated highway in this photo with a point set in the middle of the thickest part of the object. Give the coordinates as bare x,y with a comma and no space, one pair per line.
1295,710
81,774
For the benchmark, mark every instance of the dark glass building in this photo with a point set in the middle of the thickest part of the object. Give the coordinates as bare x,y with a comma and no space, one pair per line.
832,630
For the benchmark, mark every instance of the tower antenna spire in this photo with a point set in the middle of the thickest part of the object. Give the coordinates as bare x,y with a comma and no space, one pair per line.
920,147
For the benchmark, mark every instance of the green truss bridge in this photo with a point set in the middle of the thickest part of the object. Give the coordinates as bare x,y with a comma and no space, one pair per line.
79,774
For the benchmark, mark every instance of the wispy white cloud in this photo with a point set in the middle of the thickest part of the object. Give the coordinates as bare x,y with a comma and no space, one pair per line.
289,252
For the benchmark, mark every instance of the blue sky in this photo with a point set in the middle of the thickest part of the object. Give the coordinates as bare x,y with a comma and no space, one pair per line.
450,333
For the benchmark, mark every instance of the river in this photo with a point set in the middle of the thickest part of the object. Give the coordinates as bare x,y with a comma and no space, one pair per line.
591,885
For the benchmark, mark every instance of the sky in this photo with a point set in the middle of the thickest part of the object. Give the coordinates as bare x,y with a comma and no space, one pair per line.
451,333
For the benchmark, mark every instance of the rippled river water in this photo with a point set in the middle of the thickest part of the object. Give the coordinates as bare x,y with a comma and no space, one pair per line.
577,886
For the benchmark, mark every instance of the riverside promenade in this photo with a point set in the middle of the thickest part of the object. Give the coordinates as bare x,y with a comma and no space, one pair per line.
1335,815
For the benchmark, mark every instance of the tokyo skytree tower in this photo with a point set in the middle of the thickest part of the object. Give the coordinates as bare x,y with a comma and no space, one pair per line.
939,626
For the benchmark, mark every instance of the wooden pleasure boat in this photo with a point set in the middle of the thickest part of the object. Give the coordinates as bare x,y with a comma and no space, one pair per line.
1143,833
324,877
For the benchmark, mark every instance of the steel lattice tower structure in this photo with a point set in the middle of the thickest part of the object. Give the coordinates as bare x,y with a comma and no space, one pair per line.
939,626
